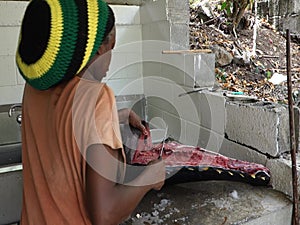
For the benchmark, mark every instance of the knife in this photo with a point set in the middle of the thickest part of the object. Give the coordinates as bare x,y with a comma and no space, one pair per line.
163,144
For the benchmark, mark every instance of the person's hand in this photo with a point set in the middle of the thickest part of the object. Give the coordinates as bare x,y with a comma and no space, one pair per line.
135,121
130,117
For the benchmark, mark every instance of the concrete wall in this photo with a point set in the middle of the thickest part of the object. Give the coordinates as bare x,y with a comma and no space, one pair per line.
11,83
125,71
165,27
124,68
162,20
284,14
262,126
166,20
191,119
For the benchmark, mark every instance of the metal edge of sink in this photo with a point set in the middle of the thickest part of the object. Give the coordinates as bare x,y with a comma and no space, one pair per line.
11,168
11,193
11,180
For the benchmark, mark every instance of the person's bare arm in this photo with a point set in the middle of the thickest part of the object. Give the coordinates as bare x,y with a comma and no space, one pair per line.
110,203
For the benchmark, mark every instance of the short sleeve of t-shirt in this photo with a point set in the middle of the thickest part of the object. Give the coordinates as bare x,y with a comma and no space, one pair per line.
95,116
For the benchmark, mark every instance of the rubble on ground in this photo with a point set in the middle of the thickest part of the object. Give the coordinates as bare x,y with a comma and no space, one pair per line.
238,67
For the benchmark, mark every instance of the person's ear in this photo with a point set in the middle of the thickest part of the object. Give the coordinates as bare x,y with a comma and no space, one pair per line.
103,49
100,50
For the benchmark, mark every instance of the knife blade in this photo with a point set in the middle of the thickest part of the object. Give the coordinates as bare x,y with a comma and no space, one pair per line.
163,144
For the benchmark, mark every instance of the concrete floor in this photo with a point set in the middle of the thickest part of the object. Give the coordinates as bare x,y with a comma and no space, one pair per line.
213,203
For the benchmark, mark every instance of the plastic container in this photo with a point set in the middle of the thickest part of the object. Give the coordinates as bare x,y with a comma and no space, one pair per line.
157,135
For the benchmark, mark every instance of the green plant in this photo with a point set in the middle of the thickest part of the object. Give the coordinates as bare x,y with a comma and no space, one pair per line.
235,9
227,6
268,74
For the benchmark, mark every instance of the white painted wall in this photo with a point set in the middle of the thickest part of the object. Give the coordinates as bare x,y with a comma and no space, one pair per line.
11,83
166,76
123,72
126,70
138,67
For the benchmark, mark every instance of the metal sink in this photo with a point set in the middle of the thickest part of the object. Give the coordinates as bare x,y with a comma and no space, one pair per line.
11,183
10,154
11,180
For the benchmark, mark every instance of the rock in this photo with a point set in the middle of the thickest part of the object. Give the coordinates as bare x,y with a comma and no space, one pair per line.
278,78
241,59
204,11
223,57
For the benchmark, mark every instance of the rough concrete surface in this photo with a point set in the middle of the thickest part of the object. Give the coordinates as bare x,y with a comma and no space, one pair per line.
213,203
284,14
281,174
262,126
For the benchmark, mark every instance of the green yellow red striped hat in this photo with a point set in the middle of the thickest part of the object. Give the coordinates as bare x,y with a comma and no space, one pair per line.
58,38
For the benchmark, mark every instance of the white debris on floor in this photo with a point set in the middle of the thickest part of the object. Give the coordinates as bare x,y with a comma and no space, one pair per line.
212,202
160,212
234,194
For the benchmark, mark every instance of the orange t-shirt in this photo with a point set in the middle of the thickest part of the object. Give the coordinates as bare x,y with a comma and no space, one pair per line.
57,127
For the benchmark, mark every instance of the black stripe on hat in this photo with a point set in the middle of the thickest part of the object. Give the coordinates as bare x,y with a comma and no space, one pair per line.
35,31
81,42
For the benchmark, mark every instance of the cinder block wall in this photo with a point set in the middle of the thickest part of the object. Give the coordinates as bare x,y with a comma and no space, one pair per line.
125,72
166,20
191,119
124,69
195,119
11,83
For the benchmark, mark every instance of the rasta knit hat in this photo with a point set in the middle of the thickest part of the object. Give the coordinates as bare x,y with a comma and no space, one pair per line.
59,37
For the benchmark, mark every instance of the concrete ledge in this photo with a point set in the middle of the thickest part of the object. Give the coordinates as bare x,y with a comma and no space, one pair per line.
213,202
281,170
237,151
282,216
281,177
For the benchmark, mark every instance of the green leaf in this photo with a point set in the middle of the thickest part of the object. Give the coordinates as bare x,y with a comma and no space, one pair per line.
224,5
228,11
269,74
